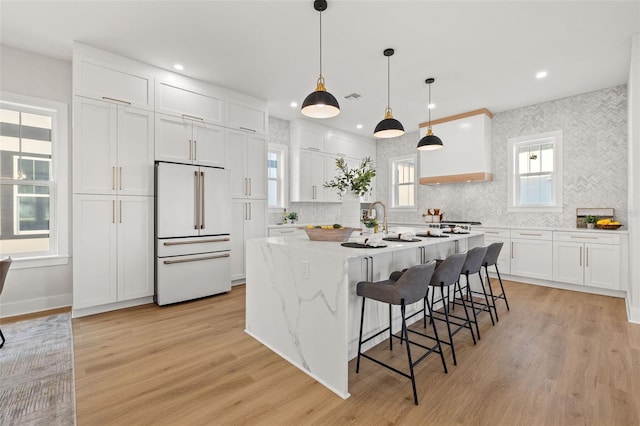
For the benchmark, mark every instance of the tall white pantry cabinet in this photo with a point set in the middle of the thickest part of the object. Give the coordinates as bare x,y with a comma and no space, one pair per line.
113,158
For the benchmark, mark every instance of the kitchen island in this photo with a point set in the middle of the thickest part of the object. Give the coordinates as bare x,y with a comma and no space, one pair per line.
301,297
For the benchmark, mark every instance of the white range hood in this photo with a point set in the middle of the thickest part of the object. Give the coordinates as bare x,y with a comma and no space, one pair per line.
466,152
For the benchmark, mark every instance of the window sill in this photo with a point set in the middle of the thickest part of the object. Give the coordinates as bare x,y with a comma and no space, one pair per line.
536,209
403,209
39,262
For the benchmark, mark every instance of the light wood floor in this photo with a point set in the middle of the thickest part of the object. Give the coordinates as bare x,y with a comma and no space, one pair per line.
557,358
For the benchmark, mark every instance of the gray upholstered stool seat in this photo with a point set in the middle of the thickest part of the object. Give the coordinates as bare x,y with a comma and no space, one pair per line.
491,259
409,288
447,274
473,265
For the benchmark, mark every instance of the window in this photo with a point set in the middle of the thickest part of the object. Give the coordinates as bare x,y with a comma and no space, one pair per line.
33,180
403,182
276,176
535,170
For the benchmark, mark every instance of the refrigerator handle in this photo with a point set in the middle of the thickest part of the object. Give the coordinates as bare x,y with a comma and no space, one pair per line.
202,200
190,150
197,200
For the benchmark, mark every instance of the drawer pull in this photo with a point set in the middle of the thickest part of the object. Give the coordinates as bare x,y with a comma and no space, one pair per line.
585,238
247,129
312,148
210,240
171,262
116,100
491,232
531,235
192,117
287,232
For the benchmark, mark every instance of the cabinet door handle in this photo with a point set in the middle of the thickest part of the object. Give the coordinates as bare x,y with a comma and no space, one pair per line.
250,188
190,150
202,200
195,150
587,257
192,117
247,129
580,256
113,178
512,250
340,154
116,100
196,195
245,211
120,177
113,211
250,213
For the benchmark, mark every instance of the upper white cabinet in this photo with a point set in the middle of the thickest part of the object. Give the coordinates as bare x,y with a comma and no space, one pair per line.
314,150
195,103
248,114
248,153
100,75
113,148
184,140
466,152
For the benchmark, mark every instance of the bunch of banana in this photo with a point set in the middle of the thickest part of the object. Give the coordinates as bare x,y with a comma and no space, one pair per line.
607,222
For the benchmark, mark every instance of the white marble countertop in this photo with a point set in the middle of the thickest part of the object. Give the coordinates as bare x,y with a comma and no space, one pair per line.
334,248
621,230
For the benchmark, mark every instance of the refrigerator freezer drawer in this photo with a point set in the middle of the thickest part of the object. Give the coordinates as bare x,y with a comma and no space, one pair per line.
189,277
181,246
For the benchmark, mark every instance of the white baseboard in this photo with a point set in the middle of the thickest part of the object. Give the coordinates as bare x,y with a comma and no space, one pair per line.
30,306
633,314
77,313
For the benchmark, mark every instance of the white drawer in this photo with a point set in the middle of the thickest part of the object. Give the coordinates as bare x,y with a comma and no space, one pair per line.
532,234
587,237
494,232
182,246
285,232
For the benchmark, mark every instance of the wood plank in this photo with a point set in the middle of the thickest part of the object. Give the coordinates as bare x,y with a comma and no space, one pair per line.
457,117
558,357
466,177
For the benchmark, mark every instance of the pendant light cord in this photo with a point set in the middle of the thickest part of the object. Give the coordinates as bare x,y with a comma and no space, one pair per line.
388,82
429,105
320,44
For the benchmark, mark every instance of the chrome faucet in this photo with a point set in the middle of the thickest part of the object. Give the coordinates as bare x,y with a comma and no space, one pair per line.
384,212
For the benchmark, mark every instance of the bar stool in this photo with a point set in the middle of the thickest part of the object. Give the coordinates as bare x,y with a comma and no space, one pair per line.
409,288
447,274
473,265
491,259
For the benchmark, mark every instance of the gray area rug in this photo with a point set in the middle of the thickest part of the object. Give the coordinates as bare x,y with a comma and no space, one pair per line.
36,372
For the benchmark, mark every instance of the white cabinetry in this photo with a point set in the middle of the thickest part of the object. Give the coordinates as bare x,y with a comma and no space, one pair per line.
248,164
188,102
116,79
496,235
532,254
113,148
591,259
184,140
113,249
286,231
248,221
247,114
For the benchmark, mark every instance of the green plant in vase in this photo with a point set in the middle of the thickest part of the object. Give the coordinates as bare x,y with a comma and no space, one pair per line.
591,221
357,179
293,217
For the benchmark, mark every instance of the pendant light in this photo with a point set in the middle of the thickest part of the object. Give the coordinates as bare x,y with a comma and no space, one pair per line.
389,127
320,104
430,141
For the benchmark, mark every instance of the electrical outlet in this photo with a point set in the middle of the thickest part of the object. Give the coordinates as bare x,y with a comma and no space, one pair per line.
306,269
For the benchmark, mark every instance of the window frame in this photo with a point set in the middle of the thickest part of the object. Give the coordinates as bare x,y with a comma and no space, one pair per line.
553,137
283,154
58,253
393,185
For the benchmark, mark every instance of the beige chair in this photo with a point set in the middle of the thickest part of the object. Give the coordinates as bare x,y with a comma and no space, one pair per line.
5,263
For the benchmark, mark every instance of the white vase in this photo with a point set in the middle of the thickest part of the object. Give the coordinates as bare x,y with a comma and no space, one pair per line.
350,211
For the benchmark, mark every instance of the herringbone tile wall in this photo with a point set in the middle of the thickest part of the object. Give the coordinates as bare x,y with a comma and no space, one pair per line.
594,129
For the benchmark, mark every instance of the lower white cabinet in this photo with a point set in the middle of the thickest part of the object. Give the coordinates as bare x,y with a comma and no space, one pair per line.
248,221
113,249
532,254
286,231
500,236
589,259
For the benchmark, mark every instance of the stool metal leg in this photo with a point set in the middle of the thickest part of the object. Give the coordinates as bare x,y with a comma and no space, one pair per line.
503,295
360,338
493,299
486,298
473,308
405,333
446,316
2,337
464,307
435,333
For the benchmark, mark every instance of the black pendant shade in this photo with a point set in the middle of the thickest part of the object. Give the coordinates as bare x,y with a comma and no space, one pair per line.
430,142
389,127
320,103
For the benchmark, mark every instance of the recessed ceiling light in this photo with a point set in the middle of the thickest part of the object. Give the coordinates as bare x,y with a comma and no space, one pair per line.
432,106
293,104
179,67
541,74
359,126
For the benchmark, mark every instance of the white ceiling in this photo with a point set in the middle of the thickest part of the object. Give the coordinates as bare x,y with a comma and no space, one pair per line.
482,54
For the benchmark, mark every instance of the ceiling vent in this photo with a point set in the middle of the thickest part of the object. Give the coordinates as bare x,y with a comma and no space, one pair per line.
353,96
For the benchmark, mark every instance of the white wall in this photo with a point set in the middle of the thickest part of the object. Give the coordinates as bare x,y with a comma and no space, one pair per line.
634,181
26,73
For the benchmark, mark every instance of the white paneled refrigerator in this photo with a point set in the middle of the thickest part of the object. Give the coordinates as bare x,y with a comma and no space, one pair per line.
193,225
